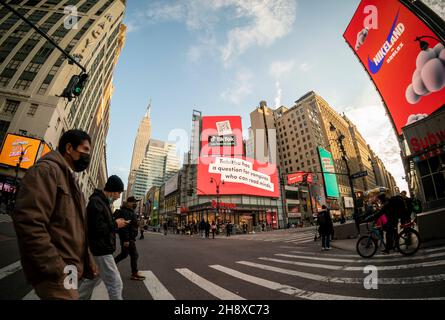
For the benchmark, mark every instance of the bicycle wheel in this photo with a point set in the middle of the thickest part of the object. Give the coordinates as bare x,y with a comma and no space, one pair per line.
408,241
366,246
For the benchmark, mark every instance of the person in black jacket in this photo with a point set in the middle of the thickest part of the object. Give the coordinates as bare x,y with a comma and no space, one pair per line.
127,236
325,227
102,228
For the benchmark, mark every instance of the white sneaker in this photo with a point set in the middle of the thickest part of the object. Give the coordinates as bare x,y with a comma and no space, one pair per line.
323,249
328,248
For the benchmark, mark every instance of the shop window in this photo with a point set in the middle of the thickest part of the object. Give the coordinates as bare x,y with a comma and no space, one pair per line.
428,188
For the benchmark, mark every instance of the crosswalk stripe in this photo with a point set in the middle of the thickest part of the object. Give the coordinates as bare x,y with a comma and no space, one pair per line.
382,259
155,287
31,296
316,277
299,242
304,264
100,292
10,269
208,286
292,291
380,268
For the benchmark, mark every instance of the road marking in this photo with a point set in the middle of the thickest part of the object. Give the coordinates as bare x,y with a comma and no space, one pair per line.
100,292
316,277
31,296
380,268
398,259
299,242
155,287
8,270
208,286
292,291
325,254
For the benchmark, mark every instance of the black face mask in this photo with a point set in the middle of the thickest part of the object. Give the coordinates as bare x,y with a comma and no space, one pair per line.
134,206
82,163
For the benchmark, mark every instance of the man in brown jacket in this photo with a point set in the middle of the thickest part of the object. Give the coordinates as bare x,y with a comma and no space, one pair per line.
50,220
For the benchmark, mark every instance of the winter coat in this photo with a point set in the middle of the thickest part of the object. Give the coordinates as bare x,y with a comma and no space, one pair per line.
50,222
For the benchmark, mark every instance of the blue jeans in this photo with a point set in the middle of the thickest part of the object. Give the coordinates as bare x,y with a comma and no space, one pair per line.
110,275
325,240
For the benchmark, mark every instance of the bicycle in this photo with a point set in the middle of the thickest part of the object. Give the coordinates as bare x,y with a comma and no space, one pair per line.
407,241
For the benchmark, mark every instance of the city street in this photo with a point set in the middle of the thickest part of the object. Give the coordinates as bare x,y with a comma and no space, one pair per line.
282,264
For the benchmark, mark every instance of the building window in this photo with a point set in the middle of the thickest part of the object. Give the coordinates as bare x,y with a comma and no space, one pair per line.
57,124
23,132
11,107
43,88
22,84
4,126
32,109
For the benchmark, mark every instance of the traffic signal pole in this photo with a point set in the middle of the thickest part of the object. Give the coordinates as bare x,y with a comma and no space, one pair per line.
43,34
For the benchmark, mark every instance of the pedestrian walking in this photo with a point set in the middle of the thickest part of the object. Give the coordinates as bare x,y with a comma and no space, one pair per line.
325,227
207,228
165,227
142,224
228,229
50,220
202,227
102,228
213,229
127,236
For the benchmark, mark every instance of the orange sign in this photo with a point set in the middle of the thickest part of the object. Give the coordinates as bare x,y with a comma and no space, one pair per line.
14,146
46,149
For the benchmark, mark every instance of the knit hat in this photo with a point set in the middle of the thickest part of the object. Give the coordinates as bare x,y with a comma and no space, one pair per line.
114,184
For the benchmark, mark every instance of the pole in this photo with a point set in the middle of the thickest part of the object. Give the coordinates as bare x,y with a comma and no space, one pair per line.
43,34
348,171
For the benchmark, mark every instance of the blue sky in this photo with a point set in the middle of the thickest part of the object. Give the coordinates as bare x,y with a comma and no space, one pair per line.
224,56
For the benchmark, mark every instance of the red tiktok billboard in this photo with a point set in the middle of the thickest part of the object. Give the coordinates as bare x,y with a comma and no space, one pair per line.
241,176
403,56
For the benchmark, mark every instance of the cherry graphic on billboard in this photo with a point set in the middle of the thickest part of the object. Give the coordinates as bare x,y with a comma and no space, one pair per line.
403,57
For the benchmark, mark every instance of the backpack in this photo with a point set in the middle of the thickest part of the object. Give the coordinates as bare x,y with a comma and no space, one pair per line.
322,219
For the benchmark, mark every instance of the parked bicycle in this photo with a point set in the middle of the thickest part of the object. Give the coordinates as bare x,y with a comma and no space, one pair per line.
407,241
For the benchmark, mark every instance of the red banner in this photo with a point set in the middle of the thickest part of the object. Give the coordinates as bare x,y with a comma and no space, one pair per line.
410,79
222,136
240,175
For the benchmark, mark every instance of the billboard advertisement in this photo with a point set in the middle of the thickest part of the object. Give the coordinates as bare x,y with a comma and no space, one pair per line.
13,147
329,177
241,176
403,57
222,136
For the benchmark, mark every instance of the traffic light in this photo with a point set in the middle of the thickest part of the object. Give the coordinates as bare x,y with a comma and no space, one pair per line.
68,91
75,86
80,84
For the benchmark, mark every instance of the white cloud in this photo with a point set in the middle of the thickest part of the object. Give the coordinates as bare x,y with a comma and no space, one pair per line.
248,22
304,67
240,87
270,20
278,69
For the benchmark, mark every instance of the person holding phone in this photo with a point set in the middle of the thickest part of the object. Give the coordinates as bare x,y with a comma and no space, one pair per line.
127,236
102,228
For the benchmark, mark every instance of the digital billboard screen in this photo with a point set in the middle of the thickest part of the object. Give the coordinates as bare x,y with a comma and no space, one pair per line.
221,136
13,147
329,176
241,176
410,79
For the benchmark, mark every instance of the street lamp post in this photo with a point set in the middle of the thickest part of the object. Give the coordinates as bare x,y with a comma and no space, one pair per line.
218,184
17,167
340,138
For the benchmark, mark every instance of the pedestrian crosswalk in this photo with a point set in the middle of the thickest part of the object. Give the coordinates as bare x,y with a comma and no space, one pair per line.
5,218
290,237
296,274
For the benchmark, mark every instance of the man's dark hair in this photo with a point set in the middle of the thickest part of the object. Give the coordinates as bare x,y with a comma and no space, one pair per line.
75,137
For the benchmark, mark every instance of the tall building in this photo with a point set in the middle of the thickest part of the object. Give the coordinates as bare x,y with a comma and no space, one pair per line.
158,165
33,74
140,147
264,134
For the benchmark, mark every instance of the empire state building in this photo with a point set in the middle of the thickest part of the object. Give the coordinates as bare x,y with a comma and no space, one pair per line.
139,149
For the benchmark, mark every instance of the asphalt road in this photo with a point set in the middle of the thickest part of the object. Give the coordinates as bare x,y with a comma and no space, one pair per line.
282,264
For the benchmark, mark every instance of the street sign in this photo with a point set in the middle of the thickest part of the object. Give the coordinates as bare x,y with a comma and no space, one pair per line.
359,174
